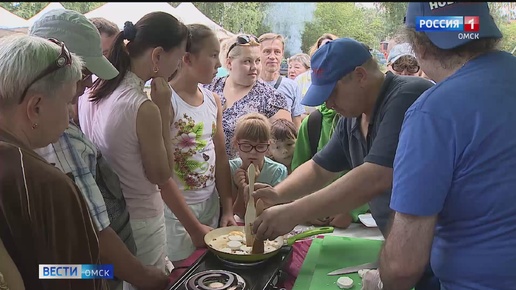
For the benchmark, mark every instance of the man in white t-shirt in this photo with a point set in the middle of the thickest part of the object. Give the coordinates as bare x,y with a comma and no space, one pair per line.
272,47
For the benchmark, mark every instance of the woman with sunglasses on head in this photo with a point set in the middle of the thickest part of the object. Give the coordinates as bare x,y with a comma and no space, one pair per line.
43,217
251,141
133,131
242,92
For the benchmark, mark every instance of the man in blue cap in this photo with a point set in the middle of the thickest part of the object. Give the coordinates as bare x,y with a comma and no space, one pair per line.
348,79
454,182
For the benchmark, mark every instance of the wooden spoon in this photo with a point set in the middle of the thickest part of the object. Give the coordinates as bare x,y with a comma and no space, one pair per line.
258,246
250,212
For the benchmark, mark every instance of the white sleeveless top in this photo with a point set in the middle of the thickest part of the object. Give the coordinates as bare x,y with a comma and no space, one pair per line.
111,125
192,132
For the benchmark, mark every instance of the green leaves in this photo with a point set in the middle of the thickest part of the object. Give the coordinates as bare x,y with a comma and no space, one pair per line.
235,16
345,20
28,9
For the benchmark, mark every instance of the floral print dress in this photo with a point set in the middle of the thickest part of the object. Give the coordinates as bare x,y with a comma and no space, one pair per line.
262,99
192,132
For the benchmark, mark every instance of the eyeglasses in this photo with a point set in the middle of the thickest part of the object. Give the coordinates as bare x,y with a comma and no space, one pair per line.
64,59
242,40
246,147
401,67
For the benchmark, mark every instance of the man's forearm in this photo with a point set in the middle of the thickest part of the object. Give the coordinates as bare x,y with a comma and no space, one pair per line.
350,191
224,184
126,266
177,204
307,178
406,251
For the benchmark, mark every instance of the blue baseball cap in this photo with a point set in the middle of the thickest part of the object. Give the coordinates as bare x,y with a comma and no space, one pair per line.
330,63
450,39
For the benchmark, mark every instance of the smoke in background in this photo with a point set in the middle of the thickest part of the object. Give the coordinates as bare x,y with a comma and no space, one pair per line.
289,19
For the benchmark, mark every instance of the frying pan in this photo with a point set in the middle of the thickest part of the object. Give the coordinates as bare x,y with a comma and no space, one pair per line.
251,258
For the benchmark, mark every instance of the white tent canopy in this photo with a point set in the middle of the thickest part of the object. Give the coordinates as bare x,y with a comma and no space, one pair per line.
119,13
191,15
9,20
51,6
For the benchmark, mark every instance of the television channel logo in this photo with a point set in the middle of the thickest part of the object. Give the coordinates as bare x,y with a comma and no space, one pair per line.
448,23
76,271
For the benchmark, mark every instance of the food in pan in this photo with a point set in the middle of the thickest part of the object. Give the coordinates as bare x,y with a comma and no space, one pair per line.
234,243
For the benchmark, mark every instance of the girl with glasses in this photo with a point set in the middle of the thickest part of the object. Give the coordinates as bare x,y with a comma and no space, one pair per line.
252,141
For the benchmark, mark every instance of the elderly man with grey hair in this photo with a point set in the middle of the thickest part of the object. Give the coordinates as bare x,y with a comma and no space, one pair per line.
43,217
77,156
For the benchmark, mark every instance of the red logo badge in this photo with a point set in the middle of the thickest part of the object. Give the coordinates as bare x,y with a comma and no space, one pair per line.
471,23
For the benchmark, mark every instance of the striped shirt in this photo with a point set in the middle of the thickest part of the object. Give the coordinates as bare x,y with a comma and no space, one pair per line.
43,218
76,156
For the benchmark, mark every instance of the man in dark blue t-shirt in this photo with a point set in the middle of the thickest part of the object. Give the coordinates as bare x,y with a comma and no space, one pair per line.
454,186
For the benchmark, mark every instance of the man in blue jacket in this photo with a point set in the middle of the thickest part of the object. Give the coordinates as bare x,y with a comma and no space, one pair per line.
454,186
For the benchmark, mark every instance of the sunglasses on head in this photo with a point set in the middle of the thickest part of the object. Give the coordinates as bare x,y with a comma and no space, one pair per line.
401,67
243,40
64,59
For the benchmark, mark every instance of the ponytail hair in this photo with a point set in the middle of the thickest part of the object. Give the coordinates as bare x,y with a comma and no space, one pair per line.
155,29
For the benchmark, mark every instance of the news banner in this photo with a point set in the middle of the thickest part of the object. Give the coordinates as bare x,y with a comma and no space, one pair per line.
467,27
79,271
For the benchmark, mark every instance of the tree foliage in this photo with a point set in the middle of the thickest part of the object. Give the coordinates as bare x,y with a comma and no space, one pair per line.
28,9
235,16
344,20
393,15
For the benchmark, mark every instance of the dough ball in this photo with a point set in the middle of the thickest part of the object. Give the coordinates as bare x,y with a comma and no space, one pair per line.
234,244
344,282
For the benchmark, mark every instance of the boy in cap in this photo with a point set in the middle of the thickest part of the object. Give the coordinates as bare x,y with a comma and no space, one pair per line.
372,104
77,156
454,182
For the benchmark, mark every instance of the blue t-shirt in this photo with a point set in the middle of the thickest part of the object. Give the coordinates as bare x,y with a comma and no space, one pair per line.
456,159
272,172
292,92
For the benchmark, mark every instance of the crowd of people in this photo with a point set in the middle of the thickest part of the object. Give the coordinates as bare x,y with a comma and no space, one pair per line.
96,170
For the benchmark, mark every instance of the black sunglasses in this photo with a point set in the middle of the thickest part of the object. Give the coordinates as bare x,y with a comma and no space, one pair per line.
242,40
246,147
410,68
64,59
